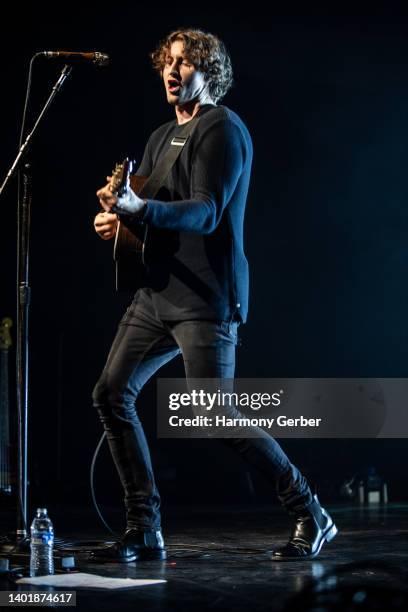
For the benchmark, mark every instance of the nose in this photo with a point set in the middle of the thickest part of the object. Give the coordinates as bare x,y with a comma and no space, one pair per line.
173,67
174,72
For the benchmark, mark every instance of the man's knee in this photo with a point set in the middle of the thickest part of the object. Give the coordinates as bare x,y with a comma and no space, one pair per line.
100,393
113,399
112,390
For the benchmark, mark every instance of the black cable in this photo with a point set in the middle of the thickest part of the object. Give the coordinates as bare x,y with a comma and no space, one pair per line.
81,545
92,472
28,91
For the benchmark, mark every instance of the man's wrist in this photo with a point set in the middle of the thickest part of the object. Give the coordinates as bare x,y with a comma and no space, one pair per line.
121,210
129,205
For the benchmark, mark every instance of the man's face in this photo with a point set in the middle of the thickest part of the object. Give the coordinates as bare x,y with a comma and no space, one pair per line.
183,82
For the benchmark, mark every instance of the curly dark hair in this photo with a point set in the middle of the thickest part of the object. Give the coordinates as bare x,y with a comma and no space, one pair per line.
208,54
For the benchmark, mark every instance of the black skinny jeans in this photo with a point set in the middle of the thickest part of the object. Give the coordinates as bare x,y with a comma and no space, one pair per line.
142,345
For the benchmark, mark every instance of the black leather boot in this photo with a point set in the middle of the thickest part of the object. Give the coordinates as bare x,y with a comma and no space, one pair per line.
133,546
313,527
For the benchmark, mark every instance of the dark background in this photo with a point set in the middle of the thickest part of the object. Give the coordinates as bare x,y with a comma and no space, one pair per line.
324,94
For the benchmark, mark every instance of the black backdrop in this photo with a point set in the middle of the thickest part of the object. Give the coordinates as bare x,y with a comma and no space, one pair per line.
324,96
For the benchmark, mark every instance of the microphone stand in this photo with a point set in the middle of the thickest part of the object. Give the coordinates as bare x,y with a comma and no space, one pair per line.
21,541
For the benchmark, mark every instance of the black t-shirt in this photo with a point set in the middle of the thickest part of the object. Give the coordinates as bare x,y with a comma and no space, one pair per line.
199,269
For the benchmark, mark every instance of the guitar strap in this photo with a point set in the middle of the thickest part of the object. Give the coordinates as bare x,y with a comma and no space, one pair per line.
163,167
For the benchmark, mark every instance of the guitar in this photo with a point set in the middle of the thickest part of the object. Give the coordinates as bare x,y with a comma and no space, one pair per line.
129,251
138,246
5,467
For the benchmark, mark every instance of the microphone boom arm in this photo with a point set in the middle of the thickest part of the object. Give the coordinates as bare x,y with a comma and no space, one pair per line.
64,73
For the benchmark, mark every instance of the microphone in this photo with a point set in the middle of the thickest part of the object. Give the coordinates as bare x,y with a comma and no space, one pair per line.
98,58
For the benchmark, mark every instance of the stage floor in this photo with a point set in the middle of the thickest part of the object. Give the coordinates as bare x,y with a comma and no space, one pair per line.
219,559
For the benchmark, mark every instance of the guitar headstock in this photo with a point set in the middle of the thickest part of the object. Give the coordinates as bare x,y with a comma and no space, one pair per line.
120,176
5,336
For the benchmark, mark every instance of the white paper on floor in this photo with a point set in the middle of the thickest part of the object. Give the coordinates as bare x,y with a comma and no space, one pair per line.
81,579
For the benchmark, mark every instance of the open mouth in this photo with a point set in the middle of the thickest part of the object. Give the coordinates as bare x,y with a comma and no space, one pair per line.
174,86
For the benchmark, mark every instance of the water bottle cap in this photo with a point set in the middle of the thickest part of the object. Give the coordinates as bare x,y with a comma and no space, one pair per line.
41,511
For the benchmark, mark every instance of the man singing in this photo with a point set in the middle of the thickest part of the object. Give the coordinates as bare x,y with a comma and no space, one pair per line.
195,296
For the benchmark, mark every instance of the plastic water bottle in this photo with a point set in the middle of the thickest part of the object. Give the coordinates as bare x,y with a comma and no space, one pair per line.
41,544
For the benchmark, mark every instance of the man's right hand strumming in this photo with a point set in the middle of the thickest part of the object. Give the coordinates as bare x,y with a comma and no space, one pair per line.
105,225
